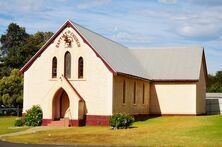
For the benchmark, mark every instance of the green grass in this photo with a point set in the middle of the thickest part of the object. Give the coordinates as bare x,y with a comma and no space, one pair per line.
159,131
7,125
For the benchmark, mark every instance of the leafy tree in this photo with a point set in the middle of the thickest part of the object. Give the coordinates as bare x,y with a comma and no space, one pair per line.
215,82
17,47
11,42
35,42
11,89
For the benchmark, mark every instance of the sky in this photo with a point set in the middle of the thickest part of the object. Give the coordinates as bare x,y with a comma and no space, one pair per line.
133,23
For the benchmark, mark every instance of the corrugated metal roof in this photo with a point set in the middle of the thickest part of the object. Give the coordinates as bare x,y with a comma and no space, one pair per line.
166,63
115,54
170,63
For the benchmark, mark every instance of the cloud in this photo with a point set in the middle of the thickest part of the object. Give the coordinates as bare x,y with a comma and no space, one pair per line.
15,7
168,1
200,32
92,4
133,38
201,24
208,3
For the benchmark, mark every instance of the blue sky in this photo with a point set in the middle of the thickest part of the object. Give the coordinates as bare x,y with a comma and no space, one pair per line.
133,23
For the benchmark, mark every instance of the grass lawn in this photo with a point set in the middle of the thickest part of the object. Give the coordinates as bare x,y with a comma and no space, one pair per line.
7,125
159,131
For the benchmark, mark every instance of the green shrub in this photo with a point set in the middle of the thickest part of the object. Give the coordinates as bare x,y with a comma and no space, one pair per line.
33,116
121,121
18,122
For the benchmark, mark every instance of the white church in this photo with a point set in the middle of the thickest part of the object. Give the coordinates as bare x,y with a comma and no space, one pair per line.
81,78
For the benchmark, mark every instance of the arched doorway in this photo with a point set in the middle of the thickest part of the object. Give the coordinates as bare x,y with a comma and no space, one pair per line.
60,105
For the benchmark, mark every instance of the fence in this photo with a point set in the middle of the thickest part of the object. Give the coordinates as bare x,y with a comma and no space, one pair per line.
214,103
10,111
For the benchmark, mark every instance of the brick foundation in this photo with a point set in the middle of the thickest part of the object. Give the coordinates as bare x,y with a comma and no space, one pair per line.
97,120
45,122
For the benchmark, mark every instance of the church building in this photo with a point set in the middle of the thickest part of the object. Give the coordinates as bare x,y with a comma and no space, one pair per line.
79,78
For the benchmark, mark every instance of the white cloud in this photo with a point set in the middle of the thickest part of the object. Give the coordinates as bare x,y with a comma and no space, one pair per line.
168,1
15,7
206,2
93,3
132,38
199,31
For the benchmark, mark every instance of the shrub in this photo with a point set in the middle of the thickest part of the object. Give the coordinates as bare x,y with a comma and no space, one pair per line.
18,122
33,116
121,121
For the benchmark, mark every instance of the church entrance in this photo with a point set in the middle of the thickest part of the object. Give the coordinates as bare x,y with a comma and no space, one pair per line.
61,104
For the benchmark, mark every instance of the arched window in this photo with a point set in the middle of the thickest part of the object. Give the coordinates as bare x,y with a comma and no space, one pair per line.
54,67
67,65
80,68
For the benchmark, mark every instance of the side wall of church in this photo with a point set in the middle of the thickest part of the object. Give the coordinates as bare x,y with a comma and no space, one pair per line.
201,91
131,95
173,98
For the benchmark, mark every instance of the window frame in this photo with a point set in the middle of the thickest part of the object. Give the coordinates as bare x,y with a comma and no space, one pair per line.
54,67
134,93
65,65
124,92
143,99
80,67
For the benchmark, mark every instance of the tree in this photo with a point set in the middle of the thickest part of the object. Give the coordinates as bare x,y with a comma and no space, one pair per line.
11,42
215,82
35,42
17,47
11,89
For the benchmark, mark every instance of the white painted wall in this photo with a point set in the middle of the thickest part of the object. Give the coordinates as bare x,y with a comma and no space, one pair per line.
95,87
173,98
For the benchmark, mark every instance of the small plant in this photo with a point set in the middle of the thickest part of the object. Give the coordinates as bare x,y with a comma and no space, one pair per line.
18,122
121,121
33,116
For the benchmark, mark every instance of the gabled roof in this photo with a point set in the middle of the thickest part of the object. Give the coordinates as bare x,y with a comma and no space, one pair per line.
116,57
171,63
167,63
114,54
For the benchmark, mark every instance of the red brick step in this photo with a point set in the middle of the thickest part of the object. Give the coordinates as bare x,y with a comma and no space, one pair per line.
60,123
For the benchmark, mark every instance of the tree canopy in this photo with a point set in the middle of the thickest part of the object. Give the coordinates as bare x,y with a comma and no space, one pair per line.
11,89
17,47
215,82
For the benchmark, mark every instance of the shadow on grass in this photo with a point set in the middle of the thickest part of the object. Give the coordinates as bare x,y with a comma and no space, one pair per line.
142,119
